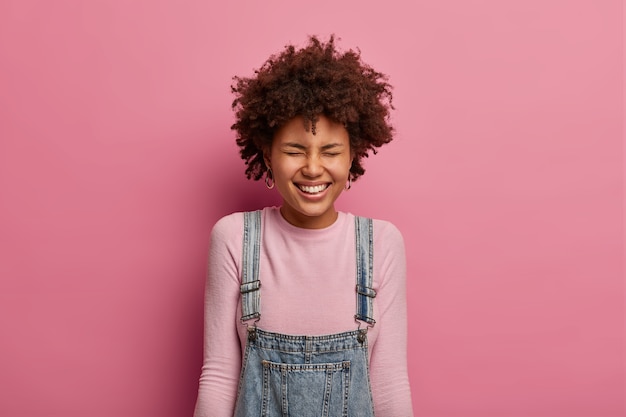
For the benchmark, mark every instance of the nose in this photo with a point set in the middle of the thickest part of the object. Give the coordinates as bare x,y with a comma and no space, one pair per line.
312,167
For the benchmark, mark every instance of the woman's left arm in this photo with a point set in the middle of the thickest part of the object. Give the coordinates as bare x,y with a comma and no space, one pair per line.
388,365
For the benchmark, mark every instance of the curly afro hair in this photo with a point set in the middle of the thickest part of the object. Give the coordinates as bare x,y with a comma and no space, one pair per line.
314,80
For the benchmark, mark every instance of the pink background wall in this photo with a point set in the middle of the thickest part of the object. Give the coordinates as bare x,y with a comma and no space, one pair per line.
506,178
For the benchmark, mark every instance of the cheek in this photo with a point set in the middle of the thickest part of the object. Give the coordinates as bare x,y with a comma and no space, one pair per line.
284,169
344,167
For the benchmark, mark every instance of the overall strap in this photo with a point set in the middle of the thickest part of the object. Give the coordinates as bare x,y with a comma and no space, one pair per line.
250,284
364,232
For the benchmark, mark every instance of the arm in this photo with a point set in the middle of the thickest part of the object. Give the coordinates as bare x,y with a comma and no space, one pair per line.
222,350
388,364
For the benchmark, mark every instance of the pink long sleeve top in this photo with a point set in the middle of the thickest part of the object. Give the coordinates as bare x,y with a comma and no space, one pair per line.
308,279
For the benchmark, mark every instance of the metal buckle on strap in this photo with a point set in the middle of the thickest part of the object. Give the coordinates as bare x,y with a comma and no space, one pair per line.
252,333
251,328
362,336
370,322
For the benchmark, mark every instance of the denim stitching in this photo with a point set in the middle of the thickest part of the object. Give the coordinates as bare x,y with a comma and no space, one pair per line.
364,269
250,284
327,392
243,370
266,390
283,386
346,390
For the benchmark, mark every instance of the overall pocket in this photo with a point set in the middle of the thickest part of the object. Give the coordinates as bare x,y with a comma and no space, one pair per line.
305,390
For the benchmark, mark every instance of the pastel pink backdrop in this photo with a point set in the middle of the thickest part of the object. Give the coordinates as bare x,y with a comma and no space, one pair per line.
506,178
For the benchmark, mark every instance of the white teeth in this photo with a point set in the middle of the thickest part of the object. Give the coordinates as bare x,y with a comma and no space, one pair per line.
314,189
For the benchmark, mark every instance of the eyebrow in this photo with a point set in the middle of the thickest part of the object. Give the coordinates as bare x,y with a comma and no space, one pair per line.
301,146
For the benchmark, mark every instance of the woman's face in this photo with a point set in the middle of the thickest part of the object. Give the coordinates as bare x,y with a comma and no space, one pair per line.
310,171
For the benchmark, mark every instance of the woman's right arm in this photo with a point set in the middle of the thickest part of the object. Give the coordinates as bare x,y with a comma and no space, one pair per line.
222,350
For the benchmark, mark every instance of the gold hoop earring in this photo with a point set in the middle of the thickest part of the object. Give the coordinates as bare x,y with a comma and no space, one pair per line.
349,184
269,179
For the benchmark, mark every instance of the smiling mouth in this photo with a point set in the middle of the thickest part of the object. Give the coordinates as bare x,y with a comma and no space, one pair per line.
315,189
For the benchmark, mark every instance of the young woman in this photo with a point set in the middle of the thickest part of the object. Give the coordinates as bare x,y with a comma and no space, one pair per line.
305,307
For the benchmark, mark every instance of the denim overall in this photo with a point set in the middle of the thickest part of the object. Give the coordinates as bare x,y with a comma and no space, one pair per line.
305,376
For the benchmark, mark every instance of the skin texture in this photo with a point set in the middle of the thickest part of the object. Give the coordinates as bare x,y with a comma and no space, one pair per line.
300,158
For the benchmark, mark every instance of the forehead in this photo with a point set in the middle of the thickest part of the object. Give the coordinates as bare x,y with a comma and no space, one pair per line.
326,131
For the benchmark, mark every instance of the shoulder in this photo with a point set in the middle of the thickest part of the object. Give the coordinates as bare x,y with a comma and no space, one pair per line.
229,225
387,238
386,230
